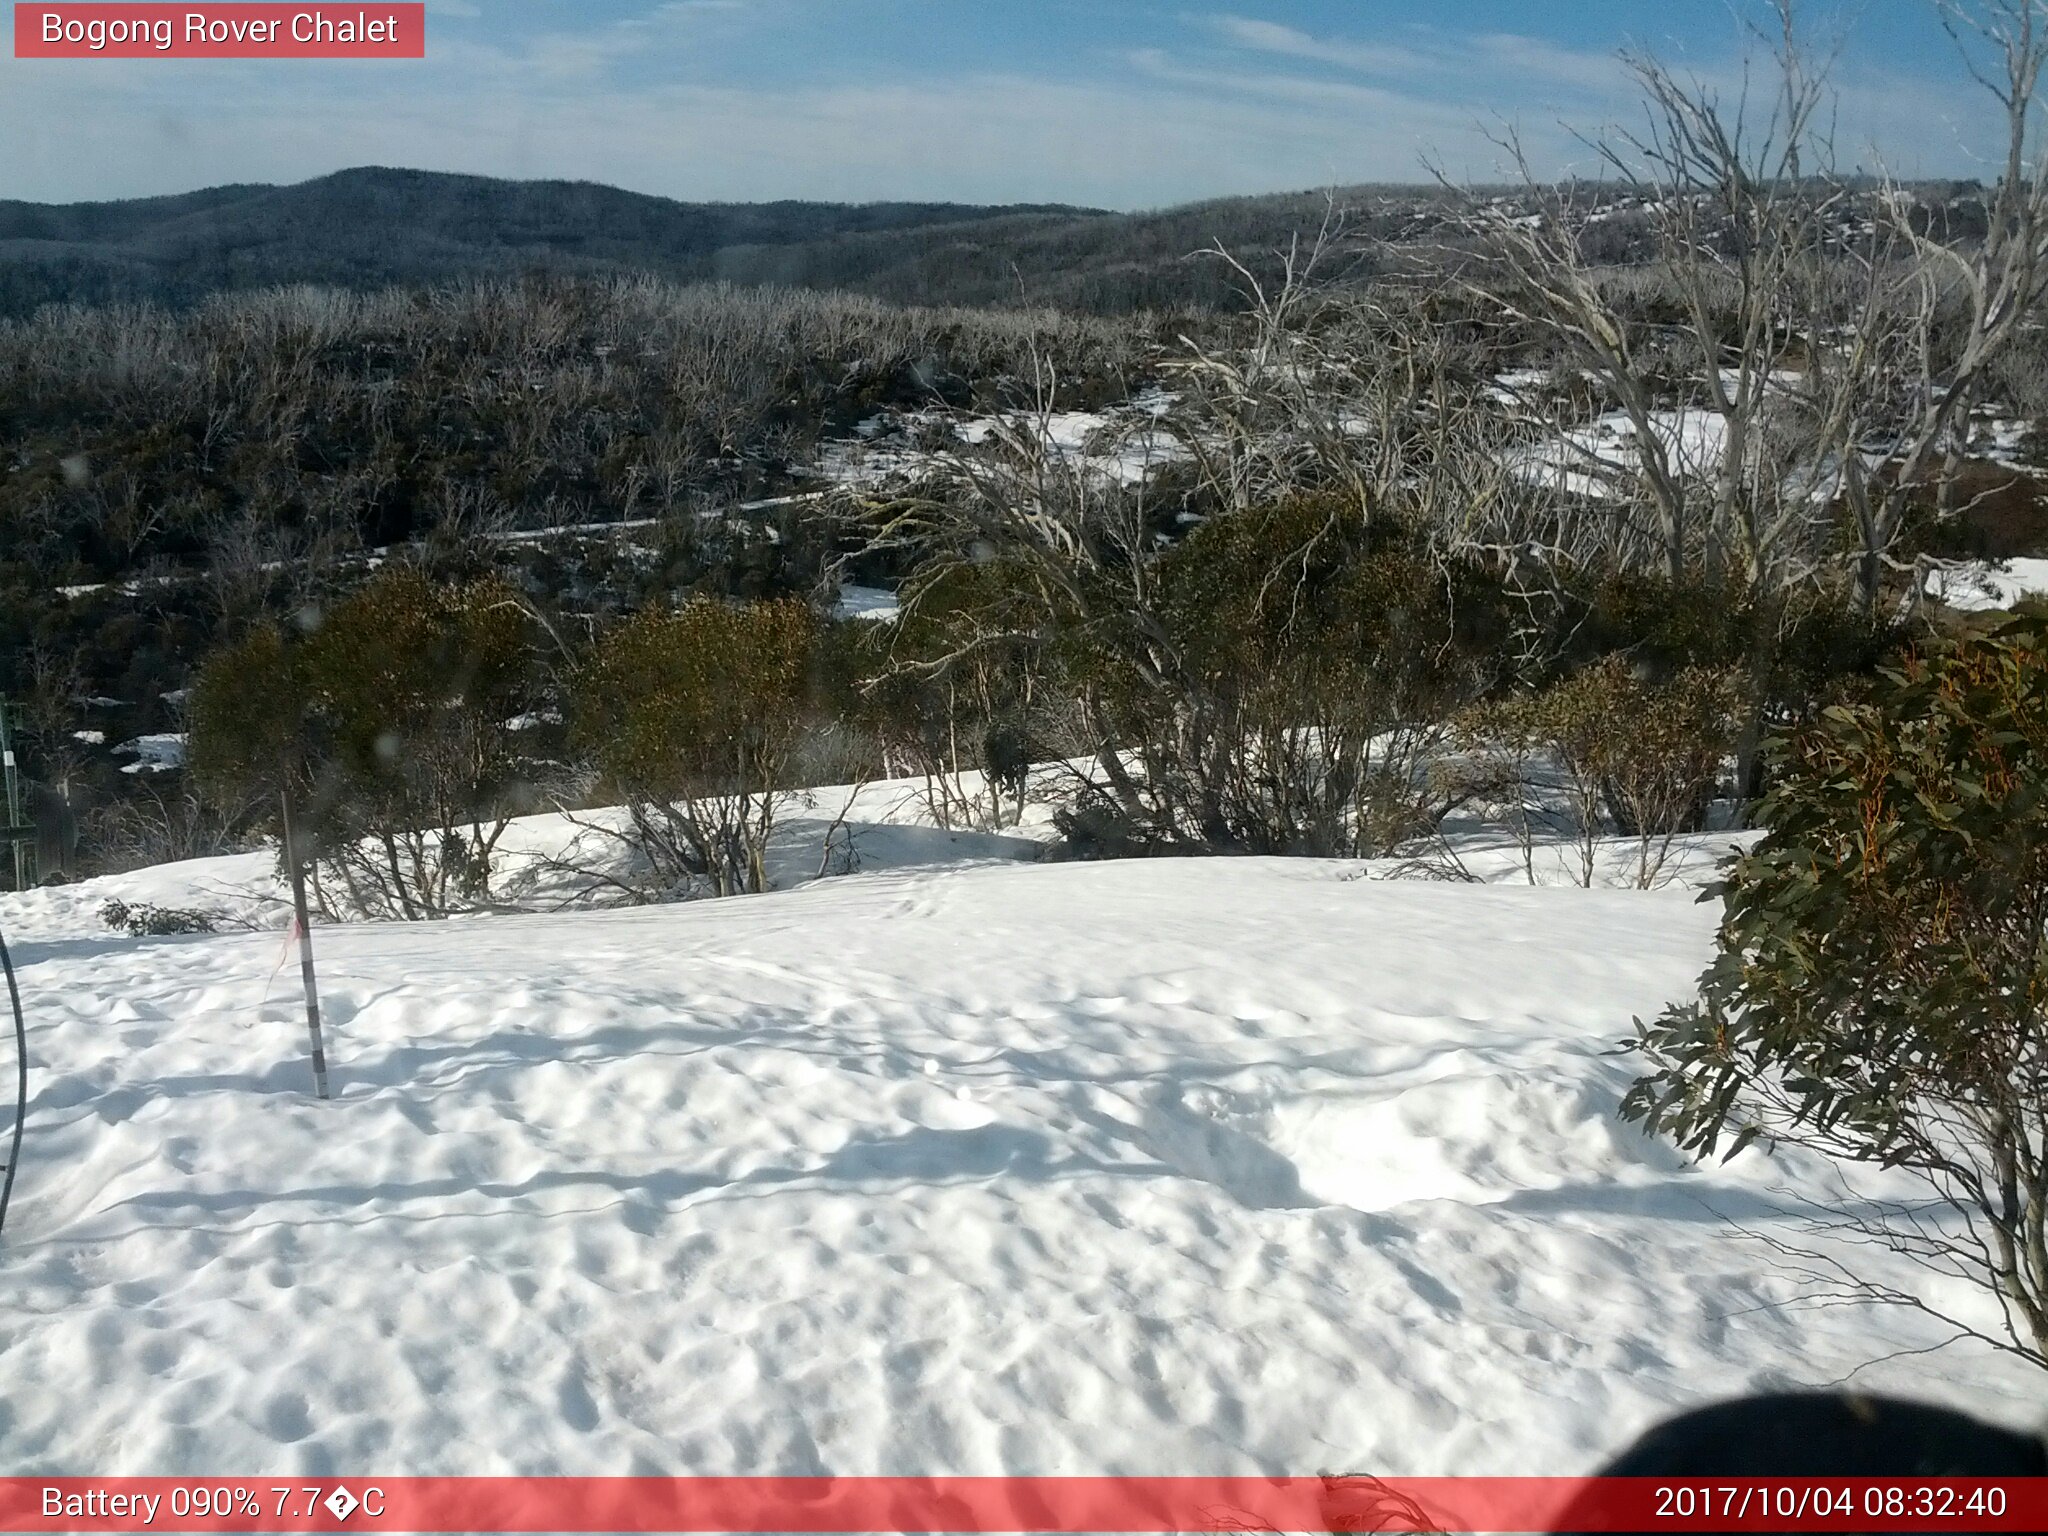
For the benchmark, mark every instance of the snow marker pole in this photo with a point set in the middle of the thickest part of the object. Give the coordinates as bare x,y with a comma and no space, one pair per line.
21,1079
291,859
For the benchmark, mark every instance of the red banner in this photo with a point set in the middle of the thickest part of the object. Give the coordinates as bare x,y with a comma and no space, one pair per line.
1034,1504
216,31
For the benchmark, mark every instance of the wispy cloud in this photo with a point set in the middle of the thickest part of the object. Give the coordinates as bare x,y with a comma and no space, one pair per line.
1434,59
1291,42
1533,58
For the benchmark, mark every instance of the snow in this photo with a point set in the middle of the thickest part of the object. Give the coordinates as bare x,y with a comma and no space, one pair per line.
1071,431
1124,448
90,738
1981,585
638,525
1230,1165
870,462
1599,459
856,602
159,753
568,530
2001,439
1513,385
1780,380
1123,444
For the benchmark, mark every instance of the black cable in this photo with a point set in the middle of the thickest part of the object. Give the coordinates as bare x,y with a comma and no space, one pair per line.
21,1078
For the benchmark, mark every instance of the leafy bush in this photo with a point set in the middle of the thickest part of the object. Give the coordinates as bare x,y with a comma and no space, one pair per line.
1787,652
958,691
692,718
1610,750
1881,987
389,721
249,716
1286,689
1665,625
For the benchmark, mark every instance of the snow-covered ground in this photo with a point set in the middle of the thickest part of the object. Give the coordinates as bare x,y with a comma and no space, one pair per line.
1599,459
1982,585
2002,439
1122,444
1165,1166
857,602
159,753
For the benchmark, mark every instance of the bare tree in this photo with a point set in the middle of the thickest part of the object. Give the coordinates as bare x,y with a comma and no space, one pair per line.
1741,199
1823,349
1325,427
1968,301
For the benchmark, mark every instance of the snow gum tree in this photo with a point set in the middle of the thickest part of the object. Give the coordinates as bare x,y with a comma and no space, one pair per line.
1313,659
957,691
1617,751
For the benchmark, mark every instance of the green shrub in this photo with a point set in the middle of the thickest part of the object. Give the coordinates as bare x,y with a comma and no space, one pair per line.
1611,750
248,718
144,921
1881,987
1287,688
960,692
389,721
692,717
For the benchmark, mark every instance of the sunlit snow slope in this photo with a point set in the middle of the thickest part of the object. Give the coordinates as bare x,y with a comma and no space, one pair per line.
1170,1166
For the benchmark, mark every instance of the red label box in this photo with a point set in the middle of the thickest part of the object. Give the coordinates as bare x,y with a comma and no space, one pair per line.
367,29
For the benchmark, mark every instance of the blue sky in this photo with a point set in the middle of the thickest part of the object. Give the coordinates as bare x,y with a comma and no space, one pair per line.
1116,103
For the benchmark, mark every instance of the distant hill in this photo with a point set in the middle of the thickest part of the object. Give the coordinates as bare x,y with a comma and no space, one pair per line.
372,227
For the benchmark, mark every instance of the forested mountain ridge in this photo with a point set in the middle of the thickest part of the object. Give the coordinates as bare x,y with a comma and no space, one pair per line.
373,226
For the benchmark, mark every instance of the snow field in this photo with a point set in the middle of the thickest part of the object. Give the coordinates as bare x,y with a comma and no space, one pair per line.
1179,1166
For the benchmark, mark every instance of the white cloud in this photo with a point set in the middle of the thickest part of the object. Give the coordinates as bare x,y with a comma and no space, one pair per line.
1441,60
1290,42
1532,57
